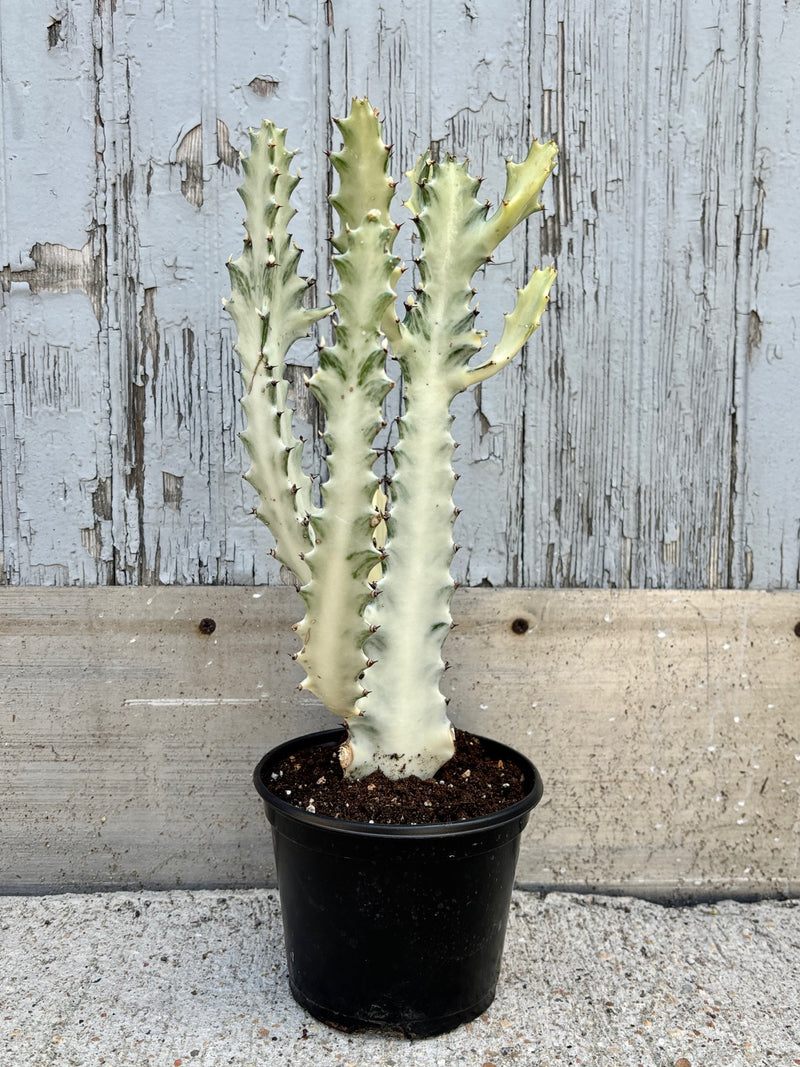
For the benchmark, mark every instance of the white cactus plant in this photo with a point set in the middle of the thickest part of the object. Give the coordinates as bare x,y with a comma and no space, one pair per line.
372,563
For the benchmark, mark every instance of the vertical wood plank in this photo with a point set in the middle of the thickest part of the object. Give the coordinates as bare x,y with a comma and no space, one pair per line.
767,537
631,427
478,109
54,451
184,512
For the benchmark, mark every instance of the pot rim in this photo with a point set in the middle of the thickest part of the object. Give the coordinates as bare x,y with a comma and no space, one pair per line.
406,831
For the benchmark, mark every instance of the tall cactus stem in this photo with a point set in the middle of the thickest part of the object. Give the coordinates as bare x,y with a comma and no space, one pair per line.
373,562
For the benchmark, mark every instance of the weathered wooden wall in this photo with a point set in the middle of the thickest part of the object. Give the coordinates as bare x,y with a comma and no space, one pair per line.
649,436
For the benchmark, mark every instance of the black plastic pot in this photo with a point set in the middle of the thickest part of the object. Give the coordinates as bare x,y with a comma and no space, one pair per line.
394,927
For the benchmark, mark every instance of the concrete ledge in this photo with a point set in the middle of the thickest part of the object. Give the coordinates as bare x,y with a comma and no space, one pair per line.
665,726
197,979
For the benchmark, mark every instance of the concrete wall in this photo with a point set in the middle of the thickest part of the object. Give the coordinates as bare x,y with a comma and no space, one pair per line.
665,726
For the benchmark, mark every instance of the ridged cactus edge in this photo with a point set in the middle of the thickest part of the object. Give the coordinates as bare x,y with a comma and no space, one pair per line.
372,562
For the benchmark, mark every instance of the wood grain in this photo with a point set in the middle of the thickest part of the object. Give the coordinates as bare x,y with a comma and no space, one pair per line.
665,725
646,439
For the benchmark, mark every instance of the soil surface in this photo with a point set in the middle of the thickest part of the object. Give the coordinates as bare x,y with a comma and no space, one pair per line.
471,784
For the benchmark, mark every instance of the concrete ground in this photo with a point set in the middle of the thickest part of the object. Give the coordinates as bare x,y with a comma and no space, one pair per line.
197,979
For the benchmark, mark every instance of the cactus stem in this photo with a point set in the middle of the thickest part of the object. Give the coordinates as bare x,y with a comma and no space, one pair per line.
434,345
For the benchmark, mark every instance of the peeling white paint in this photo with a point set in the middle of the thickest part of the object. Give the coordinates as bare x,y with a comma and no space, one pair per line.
190,702
647,439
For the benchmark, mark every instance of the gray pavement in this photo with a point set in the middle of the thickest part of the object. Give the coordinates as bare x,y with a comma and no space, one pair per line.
197,979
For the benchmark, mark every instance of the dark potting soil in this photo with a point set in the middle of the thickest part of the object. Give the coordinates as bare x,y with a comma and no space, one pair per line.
471,784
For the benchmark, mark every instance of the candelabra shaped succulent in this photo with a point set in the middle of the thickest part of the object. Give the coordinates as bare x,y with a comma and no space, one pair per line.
372,562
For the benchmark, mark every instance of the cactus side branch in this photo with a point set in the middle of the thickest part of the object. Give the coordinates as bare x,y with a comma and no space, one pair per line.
518,325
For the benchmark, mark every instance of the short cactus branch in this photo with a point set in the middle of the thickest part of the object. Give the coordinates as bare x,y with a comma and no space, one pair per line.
518,326
374,570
